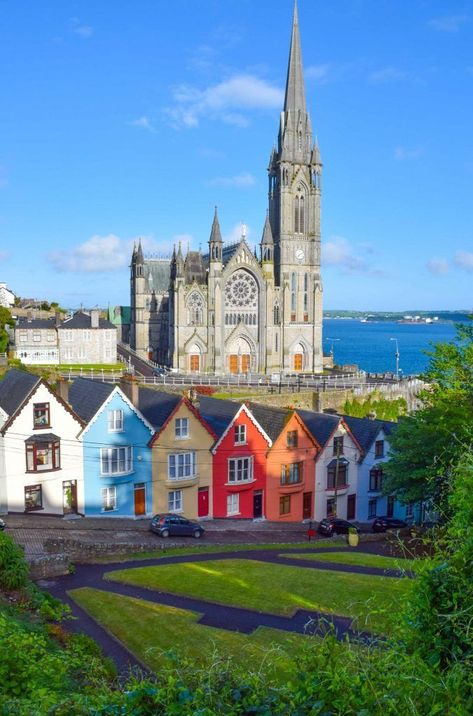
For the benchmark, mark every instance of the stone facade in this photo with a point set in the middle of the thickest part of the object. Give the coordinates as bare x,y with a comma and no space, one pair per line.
87,339
230,311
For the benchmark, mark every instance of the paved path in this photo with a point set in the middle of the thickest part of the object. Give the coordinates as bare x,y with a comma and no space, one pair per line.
215,615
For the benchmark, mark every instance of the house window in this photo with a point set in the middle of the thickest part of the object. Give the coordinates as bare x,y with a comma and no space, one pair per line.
43,456
41,416
181,430
240,434
116,460
36,336
331,508
233,504
181,466
23,336
291,438
284,504
376,479
115,421
68,352
108,335
33,497
342,479
240,469
68,335
372,508
175,501
338,445
379,448
81,352
51,336
109,499
291,474
409,509
86,335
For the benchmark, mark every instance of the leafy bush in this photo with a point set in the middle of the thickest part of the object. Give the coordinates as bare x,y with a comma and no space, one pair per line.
375,403
13,566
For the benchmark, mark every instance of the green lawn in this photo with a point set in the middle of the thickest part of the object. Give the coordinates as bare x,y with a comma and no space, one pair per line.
277,589
152,631
362,559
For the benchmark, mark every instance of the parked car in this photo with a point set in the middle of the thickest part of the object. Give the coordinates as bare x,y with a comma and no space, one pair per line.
381,524
175,526
334,525
160,371
2,524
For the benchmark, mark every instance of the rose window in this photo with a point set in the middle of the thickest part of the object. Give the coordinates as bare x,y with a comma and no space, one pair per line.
241,291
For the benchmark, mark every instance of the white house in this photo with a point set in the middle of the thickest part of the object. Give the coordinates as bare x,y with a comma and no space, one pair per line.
7,297
41,468
88,339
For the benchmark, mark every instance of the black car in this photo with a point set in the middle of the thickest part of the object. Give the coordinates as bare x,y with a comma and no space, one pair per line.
2,524
175,526
334,525
381,524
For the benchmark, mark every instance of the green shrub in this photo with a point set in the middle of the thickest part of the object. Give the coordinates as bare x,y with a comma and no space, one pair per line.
13,566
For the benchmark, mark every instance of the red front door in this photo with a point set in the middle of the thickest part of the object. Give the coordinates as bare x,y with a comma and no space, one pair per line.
203,502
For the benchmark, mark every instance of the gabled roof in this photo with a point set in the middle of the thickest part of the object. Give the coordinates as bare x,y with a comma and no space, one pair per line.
156,405
229,251
23,322
271,419
193,410
15,388
218,413
83,320
320,425
157,273
366,430
86,396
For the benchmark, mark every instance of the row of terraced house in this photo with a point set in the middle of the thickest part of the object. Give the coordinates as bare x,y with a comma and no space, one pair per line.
100,449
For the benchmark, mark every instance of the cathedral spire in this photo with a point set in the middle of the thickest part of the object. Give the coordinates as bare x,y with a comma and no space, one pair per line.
139,253
295,94
215,233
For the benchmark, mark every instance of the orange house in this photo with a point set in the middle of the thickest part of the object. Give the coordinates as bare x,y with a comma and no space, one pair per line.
290,465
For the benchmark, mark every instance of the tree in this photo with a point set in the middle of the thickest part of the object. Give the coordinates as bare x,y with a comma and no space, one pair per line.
427,445
5,320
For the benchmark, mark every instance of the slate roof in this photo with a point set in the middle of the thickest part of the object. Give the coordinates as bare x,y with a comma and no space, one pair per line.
22,322
194,268
15,388
83,320
365,430
320,425
229,251
86,396
42,438
156,405
271,419
217,413
157,273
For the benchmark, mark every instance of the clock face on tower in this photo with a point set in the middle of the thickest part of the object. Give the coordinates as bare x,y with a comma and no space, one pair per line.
300,254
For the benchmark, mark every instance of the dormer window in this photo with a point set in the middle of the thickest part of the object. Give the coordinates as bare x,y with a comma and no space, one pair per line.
240,434
182,428
379,448
41,415
115,421
338,445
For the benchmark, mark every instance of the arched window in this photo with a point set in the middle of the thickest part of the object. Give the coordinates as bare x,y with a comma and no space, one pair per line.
306,297
195,309
299,214
293,296
277,316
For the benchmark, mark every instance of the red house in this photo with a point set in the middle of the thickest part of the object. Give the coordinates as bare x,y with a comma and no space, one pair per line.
239,465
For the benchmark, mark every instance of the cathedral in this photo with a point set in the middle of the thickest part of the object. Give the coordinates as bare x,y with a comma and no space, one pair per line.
228,310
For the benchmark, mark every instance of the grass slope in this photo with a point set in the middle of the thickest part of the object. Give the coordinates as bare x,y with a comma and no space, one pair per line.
360,559
277,589
154,631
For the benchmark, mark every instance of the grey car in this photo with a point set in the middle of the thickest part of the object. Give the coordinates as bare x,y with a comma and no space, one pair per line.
175,526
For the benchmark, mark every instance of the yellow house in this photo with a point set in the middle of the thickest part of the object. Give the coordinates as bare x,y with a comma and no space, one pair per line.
182,464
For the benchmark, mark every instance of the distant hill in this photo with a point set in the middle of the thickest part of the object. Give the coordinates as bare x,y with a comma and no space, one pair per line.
451,316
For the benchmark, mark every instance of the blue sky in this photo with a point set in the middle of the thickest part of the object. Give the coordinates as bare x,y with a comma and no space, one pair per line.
128,119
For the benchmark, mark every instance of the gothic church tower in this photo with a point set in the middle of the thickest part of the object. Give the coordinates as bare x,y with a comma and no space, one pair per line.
295,172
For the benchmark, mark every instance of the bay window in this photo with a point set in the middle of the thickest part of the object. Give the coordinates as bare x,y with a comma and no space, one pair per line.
240,469
116,460
43,455
181,466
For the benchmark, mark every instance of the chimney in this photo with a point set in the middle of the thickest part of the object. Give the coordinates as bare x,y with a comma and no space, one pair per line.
193,397
63,389
130,387
94,318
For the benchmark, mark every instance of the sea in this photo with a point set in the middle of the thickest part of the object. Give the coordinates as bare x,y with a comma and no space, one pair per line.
369,344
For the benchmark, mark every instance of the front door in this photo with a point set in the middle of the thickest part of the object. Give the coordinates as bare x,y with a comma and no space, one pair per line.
203,502
245,363
195,363
140,499
298,361
351,507
307,506
257,504
233,364
390,507
69,497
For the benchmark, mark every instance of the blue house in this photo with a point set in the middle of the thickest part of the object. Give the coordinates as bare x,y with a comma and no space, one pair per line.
117,459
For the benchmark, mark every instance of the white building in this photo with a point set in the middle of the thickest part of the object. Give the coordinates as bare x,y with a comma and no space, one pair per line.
7,297
87,339
41,468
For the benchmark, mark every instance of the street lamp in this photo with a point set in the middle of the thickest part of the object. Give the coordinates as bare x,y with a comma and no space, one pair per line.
397,357
332,341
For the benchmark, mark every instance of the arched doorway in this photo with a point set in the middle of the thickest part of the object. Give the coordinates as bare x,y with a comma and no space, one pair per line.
298,358
239,356
194,358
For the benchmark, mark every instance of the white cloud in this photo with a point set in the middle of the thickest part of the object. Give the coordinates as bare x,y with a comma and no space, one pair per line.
97,254
464,260
405,153
243,180
143,123
226,101
319,73
438,266
80,29
339,252
448,23
387,75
